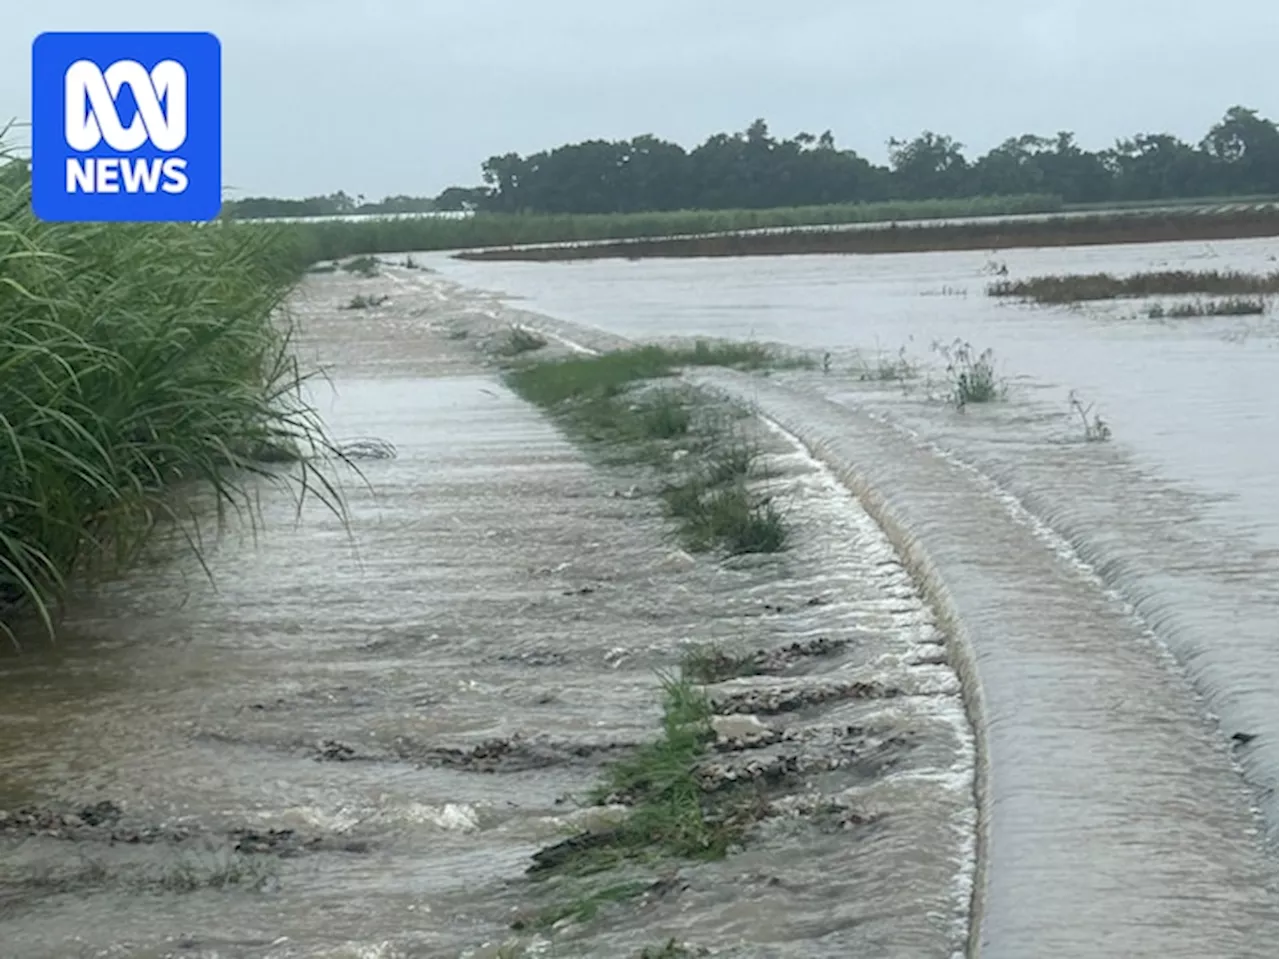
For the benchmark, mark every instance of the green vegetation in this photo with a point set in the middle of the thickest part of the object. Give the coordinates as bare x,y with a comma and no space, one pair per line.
583,906
753,170
602,399
669,814
1104,286
362,302
971,376
724,514
1232,306
885,370
134,358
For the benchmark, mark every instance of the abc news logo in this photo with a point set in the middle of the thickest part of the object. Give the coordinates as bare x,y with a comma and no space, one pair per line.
126,126
91,118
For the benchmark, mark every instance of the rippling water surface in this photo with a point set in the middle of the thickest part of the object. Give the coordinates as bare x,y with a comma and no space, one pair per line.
1177,513
1195,399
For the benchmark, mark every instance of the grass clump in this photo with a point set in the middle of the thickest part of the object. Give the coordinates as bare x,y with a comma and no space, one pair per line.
362,302
728,516
600,398
711,664
668,815
134,358
971,375
583,906
889,369
608,374
665,416
366,266
1104,286
1232,306
519,340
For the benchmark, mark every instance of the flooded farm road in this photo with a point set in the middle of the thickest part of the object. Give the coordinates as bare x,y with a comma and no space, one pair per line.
354,743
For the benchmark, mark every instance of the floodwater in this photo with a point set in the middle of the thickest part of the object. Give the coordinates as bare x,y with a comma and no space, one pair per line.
352,745
1115,603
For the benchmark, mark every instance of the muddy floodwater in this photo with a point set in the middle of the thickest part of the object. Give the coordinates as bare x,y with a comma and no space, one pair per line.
353,745
1172,522
1024,700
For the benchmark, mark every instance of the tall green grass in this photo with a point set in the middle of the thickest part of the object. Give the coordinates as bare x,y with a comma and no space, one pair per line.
134,358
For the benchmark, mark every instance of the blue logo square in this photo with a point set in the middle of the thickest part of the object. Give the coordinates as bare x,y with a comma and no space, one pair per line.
126,126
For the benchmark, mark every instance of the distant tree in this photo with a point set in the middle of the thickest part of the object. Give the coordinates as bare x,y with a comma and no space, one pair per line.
929,166
457,198
1152,166
1246,151
755,169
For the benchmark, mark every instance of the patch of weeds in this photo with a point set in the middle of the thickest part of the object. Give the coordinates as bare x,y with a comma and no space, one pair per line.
736,520
971,375
711,664
889,370
732,462
213,869
1096,430
362,265
597,399
520,340
362,302
665,416
1232,306
1104,286
669,815
715,508
583,906
576,378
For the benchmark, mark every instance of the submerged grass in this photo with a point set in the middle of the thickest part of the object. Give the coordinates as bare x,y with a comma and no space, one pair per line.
971,376
1232,306
520,340
668,814
1104,286
600,399
134,358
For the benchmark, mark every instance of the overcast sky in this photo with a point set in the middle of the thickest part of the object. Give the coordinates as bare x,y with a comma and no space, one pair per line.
409,96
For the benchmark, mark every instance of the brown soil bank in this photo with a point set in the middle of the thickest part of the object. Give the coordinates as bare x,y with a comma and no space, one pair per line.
967,235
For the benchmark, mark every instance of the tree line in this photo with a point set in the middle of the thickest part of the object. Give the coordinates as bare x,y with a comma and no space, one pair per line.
752,169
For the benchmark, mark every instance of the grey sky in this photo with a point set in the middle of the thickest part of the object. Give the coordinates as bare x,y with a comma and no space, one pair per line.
398,96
